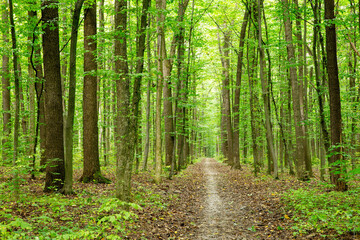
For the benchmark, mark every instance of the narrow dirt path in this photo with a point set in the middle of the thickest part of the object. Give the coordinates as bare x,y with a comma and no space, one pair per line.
214,201
220,216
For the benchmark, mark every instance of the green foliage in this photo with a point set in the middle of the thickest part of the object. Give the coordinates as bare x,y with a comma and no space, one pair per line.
318,210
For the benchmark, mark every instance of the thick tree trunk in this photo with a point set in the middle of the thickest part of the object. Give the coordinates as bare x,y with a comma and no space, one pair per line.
337,169
54,148
91,171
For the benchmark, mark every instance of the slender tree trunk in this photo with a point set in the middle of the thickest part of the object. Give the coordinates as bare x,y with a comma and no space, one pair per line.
69,121
266,99
237,92
319,88
124,139
5,92
161,6
148,103
337,169
140,50
253,102
224,51
17,98
54,150
301,144
302,86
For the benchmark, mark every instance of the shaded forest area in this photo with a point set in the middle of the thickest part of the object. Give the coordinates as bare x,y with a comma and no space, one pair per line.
105,105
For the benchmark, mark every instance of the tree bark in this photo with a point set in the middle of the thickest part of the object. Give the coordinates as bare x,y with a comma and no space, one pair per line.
124,139
140,50
160,6
266,100
224,51
69,121
17,99
236,106
91,171
54,148
301,144
148,103
5,93
337,168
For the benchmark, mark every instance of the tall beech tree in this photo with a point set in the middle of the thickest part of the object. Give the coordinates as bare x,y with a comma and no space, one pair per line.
226,102
127,103
91,171
236,107
337,169
69,121
54,148
161,7
266,98
124,137
301,143
5,80
17,96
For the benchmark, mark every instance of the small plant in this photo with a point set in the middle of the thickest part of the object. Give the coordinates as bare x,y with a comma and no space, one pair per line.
315,210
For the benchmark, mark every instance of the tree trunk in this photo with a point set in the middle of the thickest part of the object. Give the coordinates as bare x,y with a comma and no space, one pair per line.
69,121
337,167
124,139
17,99
140,50
266,100
5,93
54,148
237,92
224,51
160,6
301,144
91,171
319,88
148,104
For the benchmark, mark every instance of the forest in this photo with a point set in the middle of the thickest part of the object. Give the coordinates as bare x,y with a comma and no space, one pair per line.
180,119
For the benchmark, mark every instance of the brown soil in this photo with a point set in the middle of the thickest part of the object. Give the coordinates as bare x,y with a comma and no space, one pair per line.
216,202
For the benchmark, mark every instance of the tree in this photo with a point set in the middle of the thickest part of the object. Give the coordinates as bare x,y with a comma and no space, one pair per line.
301,143
226,106
5,92
69,121
161,7
54,148
91,171
337,168
266,99
237,91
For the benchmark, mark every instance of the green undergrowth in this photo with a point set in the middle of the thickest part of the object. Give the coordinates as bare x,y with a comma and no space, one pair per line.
322,211
87,215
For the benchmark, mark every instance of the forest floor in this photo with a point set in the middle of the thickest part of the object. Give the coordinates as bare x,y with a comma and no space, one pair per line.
208,200
216,202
